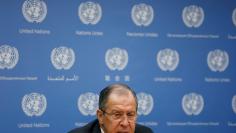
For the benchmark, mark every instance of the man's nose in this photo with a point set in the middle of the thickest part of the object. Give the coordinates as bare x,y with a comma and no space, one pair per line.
125,121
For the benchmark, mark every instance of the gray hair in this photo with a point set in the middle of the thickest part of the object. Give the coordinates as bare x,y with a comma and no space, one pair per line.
104,94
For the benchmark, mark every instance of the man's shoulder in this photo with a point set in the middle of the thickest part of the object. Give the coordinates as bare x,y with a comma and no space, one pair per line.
92,127
142,129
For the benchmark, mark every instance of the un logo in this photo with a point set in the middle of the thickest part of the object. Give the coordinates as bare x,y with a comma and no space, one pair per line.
192,104
62,58
90,12
88,103
142,14
145,103
34,104
9,57
234,103
34,10
168,59
193,16
217,60
116,59
234,17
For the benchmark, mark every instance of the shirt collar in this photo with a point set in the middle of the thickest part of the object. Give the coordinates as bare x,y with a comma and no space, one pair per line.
102,130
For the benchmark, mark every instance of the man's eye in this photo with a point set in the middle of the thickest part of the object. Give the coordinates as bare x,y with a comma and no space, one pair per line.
131,114
117,115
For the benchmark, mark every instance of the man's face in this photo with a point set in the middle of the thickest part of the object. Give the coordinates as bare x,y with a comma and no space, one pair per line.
119,115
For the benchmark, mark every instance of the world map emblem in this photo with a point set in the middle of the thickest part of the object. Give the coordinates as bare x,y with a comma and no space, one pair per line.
167,59
193,16
116,58
9,57
142,14
217,60
34,104
234,17
34,10
145,103
62,58
192,104
234,103
88,103
90,12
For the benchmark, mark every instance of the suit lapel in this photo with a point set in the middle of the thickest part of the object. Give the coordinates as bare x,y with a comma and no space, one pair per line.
96,128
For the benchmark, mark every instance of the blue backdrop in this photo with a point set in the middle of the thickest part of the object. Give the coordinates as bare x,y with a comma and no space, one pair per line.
179,57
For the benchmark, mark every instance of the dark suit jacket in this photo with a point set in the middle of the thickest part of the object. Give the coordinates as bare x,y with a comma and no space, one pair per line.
93,127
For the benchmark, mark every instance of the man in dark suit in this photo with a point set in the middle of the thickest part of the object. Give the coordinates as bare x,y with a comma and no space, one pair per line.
117,112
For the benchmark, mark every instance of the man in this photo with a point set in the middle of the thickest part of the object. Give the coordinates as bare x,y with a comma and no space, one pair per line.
117,112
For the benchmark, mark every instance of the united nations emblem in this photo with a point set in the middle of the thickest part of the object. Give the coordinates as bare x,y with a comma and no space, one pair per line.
234,17
90,12
34,104
62,58
142,14
34,10
9,57
145,103
234,103
192,104
88,103
168,59
218,60
193,16
116,59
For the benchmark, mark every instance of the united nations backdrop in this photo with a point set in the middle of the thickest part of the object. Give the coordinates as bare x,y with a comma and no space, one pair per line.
178,56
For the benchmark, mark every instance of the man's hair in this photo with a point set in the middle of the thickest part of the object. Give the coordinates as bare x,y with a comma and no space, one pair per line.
104,94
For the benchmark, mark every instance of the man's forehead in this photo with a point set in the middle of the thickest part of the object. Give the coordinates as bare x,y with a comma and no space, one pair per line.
122,105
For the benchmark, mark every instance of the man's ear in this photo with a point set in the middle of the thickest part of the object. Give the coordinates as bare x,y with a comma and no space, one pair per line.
100,116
